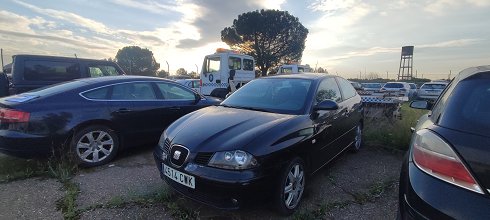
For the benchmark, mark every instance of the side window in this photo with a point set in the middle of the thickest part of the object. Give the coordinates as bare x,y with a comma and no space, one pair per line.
328,89
174,92
102,70
133,91
347,88
196,84
98,94
235,63
51,71
248,64
301,69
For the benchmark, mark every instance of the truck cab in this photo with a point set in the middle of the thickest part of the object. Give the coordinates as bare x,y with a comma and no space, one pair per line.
225,71
293,68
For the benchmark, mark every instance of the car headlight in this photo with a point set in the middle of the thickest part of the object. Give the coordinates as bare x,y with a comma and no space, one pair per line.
233,160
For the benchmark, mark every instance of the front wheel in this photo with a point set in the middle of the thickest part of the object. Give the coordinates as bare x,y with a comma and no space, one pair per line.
94,145
291,187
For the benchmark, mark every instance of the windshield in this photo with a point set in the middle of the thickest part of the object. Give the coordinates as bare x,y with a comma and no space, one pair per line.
211,64
433,86
279,95
394,85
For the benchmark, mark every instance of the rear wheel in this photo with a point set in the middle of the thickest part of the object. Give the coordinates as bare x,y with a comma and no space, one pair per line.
356,146
94,145
291,187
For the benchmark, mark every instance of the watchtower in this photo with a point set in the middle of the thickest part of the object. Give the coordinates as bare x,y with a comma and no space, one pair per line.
406,64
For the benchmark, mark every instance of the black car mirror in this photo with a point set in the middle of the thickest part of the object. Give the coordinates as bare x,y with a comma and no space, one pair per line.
420,104
327,105
197,98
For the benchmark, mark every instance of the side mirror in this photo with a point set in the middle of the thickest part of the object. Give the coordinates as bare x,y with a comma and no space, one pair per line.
420,105
327,105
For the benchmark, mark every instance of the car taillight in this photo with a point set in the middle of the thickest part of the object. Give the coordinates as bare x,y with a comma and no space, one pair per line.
435,157
11,116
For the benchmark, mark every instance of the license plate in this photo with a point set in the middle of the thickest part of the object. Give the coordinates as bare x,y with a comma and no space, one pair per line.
179,177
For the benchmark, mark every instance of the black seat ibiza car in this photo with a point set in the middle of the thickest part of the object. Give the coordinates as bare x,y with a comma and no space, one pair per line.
446,174
262,141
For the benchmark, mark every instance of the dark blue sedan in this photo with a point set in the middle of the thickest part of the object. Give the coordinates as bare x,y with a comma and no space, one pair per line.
93,118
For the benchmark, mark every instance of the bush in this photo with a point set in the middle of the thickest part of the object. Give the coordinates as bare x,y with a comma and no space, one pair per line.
392,133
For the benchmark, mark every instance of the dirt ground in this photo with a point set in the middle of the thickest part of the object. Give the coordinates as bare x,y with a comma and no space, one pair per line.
355,186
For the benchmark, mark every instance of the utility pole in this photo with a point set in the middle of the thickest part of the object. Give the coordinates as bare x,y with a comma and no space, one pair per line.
449,77
168,68
387,75
197,69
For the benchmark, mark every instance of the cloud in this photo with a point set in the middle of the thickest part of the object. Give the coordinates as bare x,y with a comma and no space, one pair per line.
440,7
68,17
148,5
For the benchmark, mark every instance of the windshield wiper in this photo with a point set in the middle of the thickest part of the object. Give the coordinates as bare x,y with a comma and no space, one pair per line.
245,107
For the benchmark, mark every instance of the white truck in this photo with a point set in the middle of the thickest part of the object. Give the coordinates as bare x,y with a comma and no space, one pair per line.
225,71
293,68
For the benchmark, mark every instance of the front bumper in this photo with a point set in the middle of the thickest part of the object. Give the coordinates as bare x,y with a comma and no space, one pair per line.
222,189
425,197
24,145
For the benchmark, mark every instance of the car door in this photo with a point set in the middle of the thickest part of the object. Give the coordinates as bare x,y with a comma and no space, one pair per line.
327,123
135,109
351,113
179,101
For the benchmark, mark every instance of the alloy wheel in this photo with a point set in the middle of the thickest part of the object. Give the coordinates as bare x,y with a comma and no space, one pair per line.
95,146
358,139
294,186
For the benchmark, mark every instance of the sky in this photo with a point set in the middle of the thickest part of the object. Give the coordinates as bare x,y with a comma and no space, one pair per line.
347,37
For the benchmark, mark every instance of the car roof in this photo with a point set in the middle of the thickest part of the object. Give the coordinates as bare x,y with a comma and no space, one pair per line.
468,72
305,75
58,58
122,78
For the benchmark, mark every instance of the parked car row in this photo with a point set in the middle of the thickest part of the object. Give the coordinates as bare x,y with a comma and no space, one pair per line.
428,91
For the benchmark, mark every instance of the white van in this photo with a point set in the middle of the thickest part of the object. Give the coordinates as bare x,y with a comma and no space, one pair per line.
221,67
293,68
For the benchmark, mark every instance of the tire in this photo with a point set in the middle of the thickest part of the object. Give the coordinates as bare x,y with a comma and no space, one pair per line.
94,146
356,146
293,179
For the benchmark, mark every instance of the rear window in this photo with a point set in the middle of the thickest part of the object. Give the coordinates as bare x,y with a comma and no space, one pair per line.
248,64
433,86
371,85
393,85
469,107
51,71
57,88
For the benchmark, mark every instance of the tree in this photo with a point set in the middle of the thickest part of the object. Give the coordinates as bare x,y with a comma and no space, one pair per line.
163,74
194,75
270,36
321,70
137,61
372,75
181,71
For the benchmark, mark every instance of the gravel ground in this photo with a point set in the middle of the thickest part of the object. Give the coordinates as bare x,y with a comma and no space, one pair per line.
355,186
30,199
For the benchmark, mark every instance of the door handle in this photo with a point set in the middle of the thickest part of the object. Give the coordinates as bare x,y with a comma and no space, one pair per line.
123,110
174,108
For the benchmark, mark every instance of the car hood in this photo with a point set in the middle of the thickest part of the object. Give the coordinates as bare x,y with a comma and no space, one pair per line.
219,128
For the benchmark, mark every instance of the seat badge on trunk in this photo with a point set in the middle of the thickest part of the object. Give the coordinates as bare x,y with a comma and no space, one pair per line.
177,155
